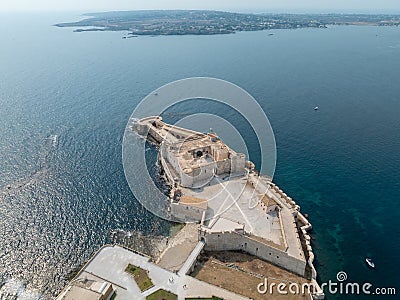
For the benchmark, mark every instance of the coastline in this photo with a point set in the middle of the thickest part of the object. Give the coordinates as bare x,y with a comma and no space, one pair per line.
202,22
170,176
181,255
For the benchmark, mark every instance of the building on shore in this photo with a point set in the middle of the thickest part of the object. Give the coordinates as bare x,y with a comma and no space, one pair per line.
87,289
229,209
236,208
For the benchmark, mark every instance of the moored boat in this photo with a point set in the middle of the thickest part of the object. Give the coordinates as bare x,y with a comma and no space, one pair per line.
370,262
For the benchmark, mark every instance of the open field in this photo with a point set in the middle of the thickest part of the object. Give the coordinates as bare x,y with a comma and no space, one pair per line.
241,273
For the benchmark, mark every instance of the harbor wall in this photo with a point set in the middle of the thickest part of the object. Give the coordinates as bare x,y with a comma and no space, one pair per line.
167,170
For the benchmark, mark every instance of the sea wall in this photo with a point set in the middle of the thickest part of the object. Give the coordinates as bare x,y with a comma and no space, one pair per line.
164,164
319,293
305,227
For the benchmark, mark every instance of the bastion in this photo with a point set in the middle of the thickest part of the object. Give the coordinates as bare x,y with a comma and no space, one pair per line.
237,221
236,208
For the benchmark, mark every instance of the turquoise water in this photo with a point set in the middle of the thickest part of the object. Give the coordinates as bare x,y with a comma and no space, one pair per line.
341,163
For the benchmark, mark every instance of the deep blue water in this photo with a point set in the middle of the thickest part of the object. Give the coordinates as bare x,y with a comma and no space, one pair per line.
341,164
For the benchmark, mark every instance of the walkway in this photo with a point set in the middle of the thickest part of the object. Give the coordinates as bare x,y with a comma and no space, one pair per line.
191,259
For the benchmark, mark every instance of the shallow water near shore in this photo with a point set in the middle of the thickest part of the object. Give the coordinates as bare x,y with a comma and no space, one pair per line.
341,164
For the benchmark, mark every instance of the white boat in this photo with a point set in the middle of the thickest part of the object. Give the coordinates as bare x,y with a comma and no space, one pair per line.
370,262
316,108
53,138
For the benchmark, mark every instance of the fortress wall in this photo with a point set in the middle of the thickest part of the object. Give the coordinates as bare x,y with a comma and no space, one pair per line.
289,201
165,167
187,181
223,167
230,241
172,159
192,178
182,133
238,163
186,213
218,153
140,128
319,294
198,176
154,134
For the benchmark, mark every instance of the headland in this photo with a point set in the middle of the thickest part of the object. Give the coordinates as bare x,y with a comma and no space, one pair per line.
206,22
238,223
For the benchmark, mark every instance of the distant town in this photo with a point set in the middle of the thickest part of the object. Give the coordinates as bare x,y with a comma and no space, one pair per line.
200,22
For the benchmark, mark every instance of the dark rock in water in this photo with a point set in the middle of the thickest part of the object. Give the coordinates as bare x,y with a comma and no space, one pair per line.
72,273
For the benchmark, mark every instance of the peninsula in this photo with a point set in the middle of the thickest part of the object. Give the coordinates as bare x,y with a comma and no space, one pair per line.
204,22
240,230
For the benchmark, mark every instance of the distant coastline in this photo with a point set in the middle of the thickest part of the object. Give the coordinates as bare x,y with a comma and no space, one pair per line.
204,22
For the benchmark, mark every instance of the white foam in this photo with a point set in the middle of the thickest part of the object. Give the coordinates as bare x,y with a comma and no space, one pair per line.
14,288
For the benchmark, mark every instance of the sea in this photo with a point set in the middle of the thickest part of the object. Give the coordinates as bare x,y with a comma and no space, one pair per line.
66,97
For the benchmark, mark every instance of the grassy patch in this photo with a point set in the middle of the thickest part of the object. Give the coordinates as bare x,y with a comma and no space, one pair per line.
141,277
162,295
175,229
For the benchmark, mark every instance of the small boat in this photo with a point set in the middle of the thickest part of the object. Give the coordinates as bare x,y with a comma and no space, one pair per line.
53,139
370,262
316,108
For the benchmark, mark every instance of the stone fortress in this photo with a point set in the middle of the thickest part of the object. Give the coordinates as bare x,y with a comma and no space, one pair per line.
228,209
235,207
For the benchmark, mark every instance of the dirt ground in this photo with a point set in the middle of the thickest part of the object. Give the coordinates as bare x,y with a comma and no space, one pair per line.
241,273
